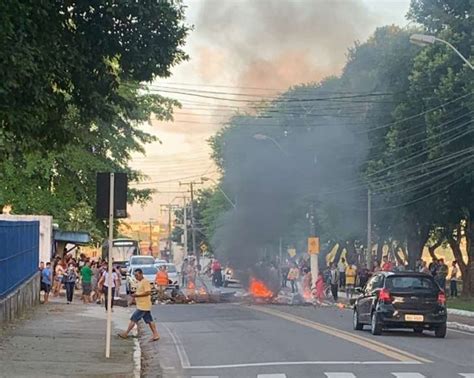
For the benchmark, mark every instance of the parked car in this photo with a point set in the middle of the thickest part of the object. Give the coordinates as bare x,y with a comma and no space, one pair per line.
401,300
229,277
173,274
149,272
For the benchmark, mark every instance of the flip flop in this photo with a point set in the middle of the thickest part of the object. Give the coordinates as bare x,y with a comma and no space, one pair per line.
122,336
152,340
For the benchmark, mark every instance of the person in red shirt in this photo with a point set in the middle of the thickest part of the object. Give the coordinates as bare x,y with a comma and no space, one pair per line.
387,266
216,273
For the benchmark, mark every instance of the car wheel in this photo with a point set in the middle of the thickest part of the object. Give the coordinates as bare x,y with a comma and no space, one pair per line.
418,330
440,331
375,325
355,321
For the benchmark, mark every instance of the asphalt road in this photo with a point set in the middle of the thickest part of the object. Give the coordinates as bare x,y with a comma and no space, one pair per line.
270,341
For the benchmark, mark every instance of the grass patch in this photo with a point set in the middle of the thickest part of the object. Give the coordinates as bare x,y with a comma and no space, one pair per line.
461,303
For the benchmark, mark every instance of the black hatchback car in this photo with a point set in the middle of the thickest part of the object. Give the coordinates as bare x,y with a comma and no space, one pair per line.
401,300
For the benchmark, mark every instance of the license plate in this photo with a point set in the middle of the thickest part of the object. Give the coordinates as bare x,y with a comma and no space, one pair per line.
414,318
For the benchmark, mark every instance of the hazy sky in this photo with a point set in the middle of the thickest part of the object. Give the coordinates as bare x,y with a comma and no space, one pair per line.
252,47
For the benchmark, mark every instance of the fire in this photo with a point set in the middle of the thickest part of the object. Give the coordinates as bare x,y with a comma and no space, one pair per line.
202,291
258,289
191,285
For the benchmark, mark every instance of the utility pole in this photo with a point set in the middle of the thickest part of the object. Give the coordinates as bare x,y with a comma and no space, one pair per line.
369,230
169,207
150,236
185,226
193,221
193,225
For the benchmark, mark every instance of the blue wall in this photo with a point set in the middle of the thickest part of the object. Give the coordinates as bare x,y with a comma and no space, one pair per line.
19,253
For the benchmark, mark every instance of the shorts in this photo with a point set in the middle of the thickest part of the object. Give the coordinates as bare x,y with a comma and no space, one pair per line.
140,314
45,287
86,288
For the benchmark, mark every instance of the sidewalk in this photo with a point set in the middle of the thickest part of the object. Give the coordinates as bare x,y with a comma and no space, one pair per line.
57,340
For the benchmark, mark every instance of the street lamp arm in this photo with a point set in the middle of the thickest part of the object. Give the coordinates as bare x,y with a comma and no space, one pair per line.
220,189
456,51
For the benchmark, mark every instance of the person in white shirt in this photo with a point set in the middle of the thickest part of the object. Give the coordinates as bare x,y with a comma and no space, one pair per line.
104,284
341,267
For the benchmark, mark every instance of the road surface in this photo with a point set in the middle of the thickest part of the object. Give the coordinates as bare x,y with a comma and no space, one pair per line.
271,341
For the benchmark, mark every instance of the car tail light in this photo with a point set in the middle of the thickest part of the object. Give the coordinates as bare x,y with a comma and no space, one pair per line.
384,296
441,298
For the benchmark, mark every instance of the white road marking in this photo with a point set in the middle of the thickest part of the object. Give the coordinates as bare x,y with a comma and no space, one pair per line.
408,375
468,375
463,332
204,376
271,376
340,375
183,357
292,363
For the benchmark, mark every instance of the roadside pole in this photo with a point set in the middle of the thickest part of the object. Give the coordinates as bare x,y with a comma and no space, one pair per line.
369,230
109,257
313,250
185,227
193,226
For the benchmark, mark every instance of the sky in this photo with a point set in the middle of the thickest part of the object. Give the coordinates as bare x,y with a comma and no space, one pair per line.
242,51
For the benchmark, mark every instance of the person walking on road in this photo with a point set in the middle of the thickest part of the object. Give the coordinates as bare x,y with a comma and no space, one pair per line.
46,280
104,283
333,281
86,278
453,283
341,266
351,274
143,300
320,288
161,281
70,278
58,278
216,273
293,276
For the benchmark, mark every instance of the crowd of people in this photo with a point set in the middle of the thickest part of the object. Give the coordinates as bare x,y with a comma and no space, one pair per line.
345,276
71,274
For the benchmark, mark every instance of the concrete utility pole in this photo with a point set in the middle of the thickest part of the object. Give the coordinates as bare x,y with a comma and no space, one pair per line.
193,220
369,230
185,226
169,207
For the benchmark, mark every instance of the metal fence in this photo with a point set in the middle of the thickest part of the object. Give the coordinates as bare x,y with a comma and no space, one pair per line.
19,253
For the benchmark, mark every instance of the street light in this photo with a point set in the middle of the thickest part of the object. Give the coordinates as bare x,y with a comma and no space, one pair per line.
220,189
266,137
425,40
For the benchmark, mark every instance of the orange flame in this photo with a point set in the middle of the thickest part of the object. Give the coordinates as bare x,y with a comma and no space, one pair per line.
191,285
202,291
258,289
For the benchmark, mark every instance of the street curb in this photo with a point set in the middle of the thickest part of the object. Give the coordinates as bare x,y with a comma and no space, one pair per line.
461,327
137,358
455,311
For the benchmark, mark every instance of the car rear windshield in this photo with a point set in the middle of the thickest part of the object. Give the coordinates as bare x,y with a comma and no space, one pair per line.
148,270
407,283
142,261
171,268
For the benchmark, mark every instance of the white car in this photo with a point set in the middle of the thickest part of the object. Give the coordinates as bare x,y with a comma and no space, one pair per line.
149,272
228,277
140,260
173,274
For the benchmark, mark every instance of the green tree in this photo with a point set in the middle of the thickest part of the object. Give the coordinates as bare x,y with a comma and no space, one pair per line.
59,57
